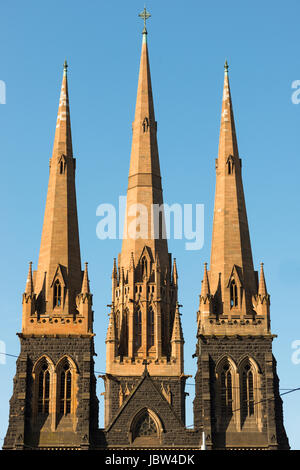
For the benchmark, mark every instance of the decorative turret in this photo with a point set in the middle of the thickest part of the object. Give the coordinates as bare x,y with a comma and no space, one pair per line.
261,301
205,304
174,273
262,288
85,301
205,290
111,334
29,299
29,283
177,340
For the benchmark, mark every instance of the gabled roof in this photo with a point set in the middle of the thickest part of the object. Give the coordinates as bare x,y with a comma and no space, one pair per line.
145,378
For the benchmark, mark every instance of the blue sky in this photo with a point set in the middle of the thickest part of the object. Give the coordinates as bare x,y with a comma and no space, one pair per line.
188,44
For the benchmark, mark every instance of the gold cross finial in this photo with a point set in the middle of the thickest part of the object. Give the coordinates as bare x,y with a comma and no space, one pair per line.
145,15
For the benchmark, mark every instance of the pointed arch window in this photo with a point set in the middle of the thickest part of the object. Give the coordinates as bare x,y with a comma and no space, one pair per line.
145,124
226,391
138,328
57,294
125,332
65,395
62,166
117,324
247,391
227,388
145,426
233,294
230,165
144,266
150,327
44,389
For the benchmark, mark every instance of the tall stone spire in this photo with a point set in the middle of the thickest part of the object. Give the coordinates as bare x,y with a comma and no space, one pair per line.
231,248
57,339
234,348
144,256
144,324
144,182
58,279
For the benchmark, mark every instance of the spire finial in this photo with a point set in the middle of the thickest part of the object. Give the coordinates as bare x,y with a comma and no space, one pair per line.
144,15
65,67
226,66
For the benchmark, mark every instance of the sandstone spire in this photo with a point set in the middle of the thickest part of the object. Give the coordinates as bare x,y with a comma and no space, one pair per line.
60,251
144,286
59,286
231,255
144,182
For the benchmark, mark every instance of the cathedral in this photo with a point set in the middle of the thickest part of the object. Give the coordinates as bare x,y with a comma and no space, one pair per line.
54,404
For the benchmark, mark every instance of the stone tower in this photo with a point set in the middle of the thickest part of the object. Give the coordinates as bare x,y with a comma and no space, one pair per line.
54,402
145,381
237,389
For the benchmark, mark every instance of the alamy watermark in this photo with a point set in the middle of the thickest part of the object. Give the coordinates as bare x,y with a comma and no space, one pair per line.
296,353
2,92
2,352
296,95
188,222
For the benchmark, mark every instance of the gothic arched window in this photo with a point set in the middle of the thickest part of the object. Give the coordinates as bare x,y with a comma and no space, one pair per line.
230,165
125,332
247,391
150,327
145,426
226,391
144,266
117,324
227,394
65,392
57,294
43,389
145,124
233,294
138,328
62,165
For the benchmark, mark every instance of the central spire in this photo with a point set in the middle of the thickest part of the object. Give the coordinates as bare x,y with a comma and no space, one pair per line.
144,286
142,228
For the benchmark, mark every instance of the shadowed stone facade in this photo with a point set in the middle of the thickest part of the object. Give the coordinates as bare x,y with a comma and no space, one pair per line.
27,430
265,430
